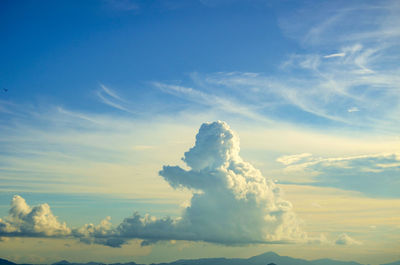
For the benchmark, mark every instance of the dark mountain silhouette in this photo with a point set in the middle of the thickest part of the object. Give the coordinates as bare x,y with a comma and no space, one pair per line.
333,262
129,263
268,258
63,262
6,262
272,257
393,263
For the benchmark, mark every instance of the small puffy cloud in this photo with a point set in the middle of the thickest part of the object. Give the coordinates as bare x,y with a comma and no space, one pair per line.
98,234
24,220
151,229
344,239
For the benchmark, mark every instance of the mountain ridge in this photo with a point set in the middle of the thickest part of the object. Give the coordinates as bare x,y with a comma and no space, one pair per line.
267,258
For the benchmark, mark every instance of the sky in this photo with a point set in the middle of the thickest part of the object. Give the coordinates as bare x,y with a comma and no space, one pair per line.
152,131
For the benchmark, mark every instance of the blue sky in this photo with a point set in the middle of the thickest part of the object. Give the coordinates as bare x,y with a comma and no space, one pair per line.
104,98
73,45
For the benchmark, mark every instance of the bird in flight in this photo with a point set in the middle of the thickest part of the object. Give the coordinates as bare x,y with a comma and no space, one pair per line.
5,89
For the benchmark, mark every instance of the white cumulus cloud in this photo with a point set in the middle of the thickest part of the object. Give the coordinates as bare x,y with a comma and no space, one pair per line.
24,220
232,202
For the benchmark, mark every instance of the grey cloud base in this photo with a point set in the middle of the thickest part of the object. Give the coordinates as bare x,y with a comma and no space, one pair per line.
232,203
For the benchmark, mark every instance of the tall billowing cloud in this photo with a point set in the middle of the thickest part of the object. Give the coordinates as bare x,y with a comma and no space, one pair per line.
232,202
24,220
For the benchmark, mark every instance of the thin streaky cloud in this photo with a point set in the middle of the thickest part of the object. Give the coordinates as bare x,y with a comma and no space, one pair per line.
76,115
374,174
111,98
111,92
364,73
333,55
299,92
110,103
214,101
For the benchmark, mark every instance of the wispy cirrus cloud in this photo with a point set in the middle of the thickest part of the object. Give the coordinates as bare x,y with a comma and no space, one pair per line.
341,22
374,175
111,98
325,84
222,103
349,64
333,55
324,90
290,159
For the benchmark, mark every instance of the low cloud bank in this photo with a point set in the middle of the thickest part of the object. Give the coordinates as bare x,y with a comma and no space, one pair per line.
232,204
